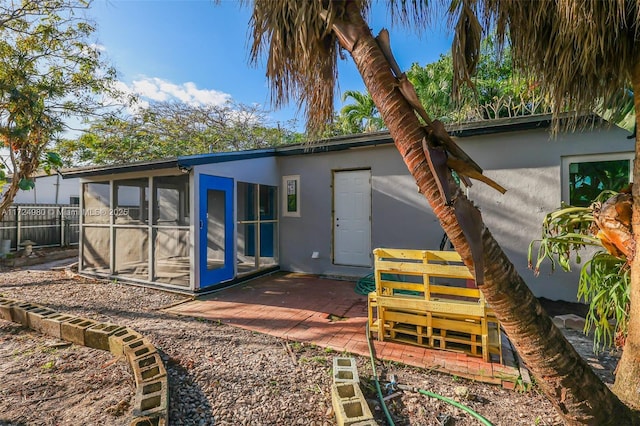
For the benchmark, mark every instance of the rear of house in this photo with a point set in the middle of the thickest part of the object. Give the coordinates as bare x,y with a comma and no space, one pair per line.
203,222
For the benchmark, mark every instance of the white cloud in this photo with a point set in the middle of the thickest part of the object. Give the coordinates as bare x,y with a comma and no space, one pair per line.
98,47
147,89
157,89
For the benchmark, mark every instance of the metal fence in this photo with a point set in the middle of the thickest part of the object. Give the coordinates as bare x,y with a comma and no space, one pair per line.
45,225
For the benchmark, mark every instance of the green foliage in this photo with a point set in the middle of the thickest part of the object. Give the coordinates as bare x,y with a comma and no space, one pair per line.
619,110
564,231
604,279
433,84
51,160
589,179
165,130
50,71
361,116
48,365
604,284
499,90
26,184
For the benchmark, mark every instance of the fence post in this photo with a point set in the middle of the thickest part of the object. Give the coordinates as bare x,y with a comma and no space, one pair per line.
61,221
18,227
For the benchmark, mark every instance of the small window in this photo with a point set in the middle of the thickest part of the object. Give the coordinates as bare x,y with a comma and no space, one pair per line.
74,201
585,177
291,196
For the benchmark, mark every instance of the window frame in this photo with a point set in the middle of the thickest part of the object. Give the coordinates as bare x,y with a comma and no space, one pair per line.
590,158
285,181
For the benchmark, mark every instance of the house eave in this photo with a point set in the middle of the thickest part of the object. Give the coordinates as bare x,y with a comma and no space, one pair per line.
119,168
181,163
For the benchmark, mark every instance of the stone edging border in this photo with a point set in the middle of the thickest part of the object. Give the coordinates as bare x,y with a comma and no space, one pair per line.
151,401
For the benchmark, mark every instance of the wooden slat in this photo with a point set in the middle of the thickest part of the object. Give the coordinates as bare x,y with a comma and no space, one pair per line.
462,308
432,269
439,315
459,326
403,303
455,291
372,307
445,256
399,253
469,310
397,285
447,271
456,339
430,255
402,268
407,318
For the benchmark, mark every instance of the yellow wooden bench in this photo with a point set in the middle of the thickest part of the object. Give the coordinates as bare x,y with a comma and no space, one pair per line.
422,298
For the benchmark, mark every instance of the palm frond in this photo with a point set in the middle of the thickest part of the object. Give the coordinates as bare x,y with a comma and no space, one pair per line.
301,50
465,50
621,112
301,53
414,14
581,51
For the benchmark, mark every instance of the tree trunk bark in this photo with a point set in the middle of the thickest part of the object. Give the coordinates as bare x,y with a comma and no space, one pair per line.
627,384
566,379
25,170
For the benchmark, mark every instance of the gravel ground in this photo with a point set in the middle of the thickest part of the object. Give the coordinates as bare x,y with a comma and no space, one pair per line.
218,374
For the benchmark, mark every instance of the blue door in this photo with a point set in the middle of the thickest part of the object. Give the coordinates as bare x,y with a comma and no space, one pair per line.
216,230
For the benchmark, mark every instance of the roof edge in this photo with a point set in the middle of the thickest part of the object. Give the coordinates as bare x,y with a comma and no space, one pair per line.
338,143
500,125
119,168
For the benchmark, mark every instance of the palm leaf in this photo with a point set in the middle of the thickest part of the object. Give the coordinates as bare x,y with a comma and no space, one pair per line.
301,53
581,51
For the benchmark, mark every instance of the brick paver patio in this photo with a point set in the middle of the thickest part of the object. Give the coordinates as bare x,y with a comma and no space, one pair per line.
329,313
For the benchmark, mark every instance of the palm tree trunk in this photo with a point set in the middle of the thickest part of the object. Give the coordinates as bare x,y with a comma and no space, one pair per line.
567,380
627,383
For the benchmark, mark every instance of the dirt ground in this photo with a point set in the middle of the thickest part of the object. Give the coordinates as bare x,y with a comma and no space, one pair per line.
218,375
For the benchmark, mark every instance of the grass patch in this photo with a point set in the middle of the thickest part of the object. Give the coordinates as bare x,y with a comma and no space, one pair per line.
49,365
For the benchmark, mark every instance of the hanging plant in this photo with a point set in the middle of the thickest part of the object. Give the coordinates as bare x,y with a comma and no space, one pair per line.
604,278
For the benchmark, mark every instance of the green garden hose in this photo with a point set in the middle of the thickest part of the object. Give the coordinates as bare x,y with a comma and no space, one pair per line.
375,380
456,404
450,401
366,285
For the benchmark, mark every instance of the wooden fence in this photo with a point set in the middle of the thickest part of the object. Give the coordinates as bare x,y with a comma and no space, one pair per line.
46,225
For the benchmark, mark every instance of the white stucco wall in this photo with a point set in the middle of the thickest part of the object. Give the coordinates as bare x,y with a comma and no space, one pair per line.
51,189
400,215
255,170
527,163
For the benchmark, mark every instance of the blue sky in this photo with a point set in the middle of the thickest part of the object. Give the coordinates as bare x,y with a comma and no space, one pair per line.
197,51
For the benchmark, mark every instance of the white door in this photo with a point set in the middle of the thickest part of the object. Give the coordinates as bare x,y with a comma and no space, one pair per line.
352,218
